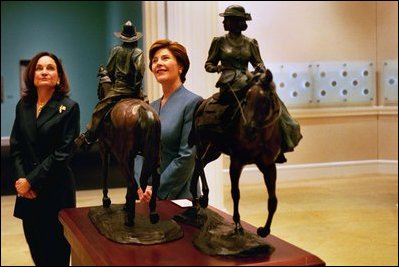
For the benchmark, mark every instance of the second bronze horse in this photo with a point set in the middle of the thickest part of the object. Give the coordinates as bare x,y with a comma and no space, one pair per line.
255,139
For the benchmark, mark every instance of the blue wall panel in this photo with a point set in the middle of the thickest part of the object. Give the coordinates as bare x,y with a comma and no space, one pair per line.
80,33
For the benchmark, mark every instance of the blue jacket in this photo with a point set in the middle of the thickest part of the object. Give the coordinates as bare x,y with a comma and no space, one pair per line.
177,158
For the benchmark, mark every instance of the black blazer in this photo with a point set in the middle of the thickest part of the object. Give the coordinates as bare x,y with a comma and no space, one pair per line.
41,151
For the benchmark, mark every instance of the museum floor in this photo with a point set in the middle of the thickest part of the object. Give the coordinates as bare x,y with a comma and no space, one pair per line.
344,221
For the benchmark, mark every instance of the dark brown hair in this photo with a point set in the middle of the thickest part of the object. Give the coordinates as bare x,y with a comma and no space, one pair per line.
176,49
29,93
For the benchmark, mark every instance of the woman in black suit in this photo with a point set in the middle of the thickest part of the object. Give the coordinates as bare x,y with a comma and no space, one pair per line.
46,123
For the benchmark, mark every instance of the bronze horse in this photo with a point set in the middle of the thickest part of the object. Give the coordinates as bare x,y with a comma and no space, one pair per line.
255,138
133,128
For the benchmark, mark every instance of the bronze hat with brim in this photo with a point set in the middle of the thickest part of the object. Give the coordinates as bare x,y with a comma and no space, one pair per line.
129,33
236,11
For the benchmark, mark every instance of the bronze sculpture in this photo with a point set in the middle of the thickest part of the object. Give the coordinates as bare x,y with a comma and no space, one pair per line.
133,127
124,123
245,120
255,139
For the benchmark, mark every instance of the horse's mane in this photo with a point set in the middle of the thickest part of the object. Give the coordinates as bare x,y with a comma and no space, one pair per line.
264,78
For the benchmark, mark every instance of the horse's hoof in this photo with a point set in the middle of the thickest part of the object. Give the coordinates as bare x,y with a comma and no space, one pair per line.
154,217
263,232
239,231
203,201
106,202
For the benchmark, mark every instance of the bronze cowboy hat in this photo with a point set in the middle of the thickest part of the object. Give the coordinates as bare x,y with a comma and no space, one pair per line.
128,34
236,11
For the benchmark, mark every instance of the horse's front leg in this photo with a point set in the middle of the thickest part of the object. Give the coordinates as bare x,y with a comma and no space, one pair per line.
269,175
130,206
204,199
199,201
105,157
235,173
194,183
150,167
156,177
131,195
210,154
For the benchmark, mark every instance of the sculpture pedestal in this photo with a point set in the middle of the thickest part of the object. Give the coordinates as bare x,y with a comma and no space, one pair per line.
89,247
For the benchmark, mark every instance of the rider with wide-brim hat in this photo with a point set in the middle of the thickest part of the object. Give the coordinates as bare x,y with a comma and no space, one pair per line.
121,78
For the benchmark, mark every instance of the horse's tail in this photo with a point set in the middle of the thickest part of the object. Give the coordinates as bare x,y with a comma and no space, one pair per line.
150,132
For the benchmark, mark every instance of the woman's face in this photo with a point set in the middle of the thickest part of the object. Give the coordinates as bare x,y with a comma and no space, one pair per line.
165,67
46,73
231,23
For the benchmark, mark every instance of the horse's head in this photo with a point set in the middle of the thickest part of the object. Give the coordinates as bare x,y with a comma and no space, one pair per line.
260,103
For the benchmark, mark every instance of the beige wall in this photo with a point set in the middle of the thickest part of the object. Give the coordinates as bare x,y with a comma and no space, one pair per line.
301,31
332,31
336,139
387,30
347,138
388,137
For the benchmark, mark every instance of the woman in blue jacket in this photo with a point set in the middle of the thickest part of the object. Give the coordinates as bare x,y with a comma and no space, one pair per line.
169,63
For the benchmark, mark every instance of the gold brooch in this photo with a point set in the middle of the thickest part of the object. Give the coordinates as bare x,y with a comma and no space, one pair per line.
62,108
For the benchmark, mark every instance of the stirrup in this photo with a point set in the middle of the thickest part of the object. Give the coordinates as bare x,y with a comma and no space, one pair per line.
281,158
79,141
82,142
90,142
